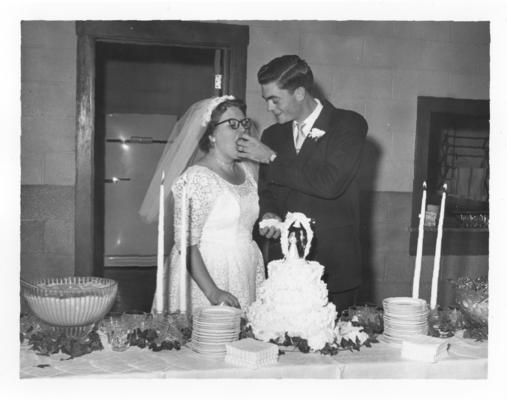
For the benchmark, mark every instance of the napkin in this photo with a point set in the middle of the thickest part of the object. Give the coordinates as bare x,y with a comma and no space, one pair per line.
424,348
251,353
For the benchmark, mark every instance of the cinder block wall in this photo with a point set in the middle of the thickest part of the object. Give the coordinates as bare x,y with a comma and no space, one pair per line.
376,68
48,96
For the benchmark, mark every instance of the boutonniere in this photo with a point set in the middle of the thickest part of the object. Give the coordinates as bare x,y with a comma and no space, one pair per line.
316,133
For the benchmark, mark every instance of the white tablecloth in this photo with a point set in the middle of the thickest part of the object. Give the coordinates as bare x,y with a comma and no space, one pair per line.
379,361
384,362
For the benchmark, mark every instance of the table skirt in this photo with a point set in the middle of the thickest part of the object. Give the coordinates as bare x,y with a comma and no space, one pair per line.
381,361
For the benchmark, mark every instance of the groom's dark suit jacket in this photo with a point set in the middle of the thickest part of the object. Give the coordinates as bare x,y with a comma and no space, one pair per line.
320,182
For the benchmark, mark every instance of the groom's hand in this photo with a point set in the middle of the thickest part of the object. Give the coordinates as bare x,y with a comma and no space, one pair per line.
253,149
269,231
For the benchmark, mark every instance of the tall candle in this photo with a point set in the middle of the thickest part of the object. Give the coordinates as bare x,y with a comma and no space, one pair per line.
438,251
420,238
183,248
160,285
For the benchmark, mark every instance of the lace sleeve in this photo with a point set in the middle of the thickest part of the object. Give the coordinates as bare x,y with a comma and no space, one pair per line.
200,199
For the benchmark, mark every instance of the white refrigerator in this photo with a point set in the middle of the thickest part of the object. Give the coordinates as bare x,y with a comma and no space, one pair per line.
134,144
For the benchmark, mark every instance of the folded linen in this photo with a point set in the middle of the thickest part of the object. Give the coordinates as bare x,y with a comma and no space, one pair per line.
251,353
424,348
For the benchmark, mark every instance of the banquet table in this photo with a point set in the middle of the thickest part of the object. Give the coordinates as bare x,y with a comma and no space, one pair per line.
381,361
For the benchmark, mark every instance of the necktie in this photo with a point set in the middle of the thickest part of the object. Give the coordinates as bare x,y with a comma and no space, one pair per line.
300,138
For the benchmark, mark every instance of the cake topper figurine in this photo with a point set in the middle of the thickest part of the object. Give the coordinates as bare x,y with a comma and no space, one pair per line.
293,250
296,223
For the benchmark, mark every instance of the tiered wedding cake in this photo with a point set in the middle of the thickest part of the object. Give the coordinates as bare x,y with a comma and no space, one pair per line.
294,299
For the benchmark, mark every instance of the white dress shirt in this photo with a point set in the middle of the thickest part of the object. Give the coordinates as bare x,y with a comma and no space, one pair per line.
307,124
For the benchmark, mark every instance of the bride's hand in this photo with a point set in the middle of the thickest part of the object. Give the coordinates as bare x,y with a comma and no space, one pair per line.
219,296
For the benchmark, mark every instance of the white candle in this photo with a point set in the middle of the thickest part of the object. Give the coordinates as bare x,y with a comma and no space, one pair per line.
420,238
183,248
438,250
160,285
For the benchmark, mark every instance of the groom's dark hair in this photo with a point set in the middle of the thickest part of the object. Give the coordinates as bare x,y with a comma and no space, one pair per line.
289,72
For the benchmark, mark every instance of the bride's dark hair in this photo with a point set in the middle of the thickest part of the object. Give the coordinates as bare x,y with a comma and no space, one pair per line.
216,114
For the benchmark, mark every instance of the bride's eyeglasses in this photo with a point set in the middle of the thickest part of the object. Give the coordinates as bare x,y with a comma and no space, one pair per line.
235,123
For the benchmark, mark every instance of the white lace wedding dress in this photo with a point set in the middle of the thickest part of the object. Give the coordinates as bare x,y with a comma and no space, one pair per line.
222,216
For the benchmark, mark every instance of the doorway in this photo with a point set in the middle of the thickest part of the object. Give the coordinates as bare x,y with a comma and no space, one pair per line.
134,80
141,91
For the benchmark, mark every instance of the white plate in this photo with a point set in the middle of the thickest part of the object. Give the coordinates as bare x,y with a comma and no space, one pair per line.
217,320
389,341
404,331
214,341
204,350
406,327
407,316
406,320
209,346
199,350
216,325
405,311
219,311
404,301
400,333
404,334
216,330
215,334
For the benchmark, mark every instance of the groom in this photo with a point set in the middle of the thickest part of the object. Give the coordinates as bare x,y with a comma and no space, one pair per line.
309,163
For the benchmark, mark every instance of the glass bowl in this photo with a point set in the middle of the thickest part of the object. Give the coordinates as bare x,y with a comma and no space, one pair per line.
75,303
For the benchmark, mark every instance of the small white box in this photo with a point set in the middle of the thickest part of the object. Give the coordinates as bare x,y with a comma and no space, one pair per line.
251,353
424,348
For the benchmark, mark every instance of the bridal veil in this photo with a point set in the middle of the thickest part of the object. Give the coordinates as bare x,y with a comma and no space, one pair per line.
181,149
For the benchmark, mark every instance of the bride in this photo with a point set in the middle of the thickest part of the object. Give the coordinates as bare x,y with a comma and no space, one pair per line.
224,263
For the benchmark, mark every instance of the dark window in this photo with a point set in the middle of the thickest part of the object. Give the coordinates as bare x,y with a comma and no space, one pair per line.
452,147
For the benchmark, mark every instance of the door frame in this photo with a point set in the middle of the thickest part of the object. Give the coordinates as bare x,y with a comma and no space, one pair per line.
89,212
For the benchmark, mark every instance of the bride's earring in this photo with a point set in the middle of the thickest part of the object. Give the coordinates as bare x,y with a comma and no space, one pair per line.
212,140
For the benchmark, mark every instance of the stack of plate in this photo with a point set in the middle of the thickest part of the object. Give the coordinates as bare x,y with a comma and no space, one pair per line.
404,317
213,327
